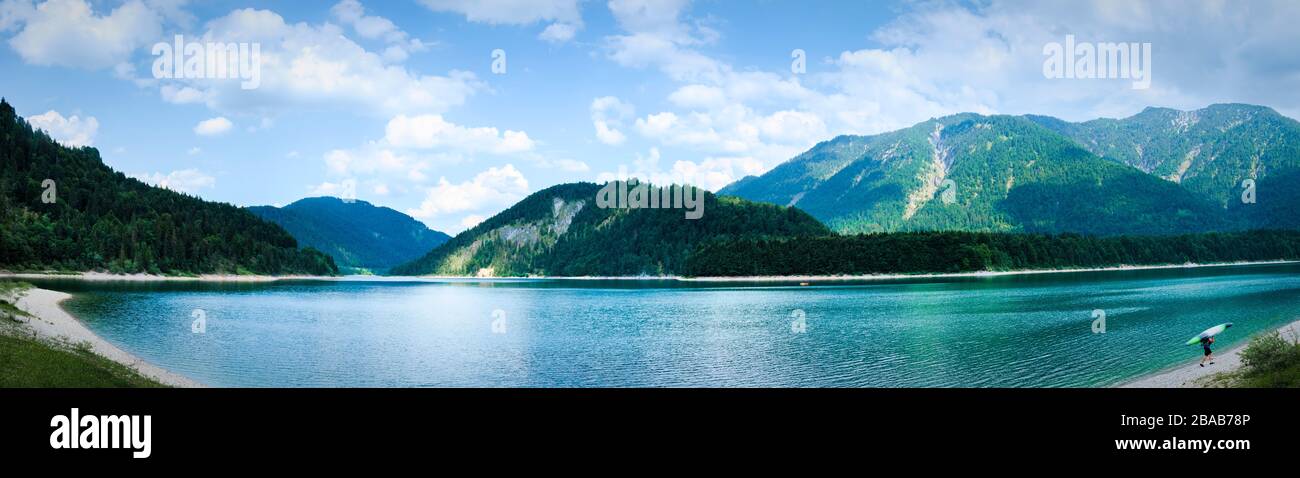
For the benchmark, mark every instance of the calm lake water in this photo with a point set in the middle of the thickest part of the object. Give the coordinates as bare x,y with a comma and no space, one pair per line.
1009,331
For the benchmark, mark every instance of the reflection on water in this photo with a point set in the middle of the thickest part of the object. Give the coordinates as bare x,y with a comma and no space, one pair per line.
1005,331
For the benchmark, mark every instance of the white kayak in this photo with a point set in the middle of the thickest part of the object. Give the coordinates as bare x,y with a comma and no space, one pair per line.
1210,332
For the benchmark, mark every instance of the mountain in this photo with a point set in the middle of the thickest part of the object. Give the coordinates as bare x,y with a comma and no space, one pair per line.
61,208
561,231
359,236
977,173
1209,151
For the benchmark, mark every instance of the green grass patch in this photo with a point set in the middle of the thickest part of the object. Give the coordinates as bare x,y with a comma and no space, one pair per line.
29,362
34,363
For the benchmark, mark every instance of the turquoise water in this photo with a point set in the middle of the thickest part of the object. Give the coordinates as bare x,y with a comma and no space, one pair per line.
1009,331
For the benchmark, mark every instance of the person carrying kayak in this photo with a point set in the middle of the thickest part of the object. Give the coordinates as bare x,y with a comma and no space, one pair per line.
1209,354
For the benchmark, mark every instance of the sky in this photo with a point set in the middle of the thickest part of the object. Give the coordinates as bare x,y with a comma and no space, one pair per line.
453,110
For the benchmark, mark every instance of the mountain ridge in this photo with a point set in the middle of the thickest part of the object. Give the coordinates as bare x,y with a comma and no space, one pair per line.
360,236
63,209
1033,173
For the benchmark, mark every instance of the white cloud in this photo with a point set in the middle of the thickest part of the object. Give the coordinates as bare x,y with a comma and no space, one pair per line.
608,114
213,127
70,33
195,151
375,160
564,14
432,131
318,67
712,173
181,95
71,131
471,220
558,32
186,180
510,12
339,189
400,44
14,12
488,190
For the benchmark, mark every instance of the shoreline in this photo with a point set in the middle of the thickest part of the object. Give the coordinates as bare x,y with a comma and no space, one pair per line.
50,321
948,275
1187,374
106,277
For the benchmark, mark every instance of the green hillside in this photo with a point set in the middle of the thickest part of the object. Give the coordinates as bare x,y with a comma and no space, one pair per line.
359,236
999,173
100,219
1209,151
560,231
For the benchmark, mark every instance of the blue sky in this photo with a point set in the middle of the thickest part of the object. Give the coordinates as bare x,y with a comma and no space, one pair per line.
398,98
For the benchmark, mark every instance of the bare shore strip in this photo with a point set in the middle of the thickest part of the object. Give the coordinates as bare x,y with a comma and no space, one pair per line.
1187,375
51,322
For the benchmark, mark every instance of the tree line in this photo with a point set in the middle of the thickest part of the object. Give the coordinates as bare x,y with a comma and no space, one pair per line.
90,217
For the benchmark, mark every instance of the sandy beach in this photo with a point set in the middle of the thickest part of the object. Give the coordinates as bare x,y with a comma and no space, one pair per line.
1185,375
51,322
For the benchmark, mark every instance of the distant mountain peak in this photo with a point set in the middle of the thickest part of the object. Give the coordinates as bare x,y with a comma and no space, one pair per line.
361,236
1038,173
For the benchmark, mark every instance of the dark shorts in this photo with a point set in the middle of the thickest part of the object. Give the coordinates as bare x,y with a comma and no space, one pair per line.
1207,350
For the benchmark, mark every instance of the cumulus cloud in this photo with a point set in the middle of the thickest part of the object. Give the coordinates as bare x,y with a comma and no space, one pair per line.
71,131
564,15
432,131
70,33
400,44
608,114
486,191
509,12
558,32
213,127
317,66
712,173
471,220
187,181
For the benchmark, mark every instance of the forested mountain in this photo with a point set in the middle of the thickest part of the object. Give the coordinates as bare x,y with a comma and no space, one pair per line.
1208,151
61,208
560,231
359,236
977,173
957,252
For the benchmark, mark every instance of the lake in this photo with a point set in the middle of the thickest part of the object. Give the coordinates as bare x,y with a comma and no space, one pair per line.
1001,331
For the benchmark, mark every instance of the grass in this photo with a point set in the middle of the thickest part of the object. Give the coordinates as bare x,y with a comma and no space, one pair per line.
29,362
33,363
10,292
1268,361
